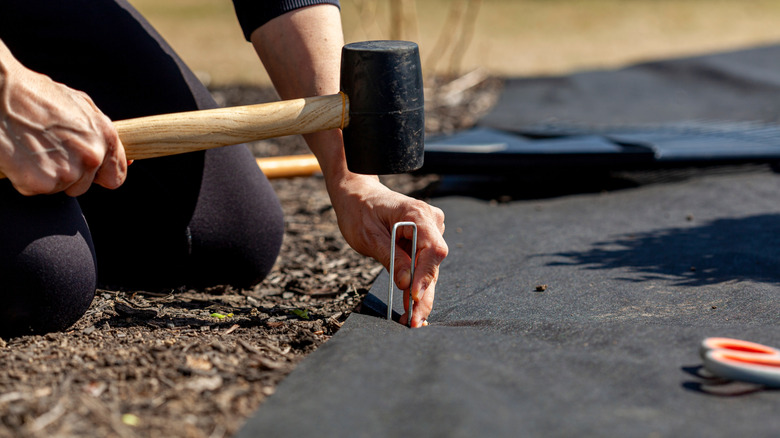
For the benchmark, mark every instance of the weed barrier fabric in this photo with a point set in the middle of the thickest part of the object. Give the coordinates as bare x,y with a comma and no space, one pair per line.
710,109
635,279
738,86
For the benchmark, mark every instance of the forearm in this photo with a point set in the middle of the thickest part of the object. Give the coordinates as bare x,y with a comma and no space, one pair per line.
301,51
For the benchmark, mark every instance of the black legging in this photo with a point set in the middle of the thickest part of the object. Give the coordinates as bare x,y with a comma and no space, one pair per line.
198,219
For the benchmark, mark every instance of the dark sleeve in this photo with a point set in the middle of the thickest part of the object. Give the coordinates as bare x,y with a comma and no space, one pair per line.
255,13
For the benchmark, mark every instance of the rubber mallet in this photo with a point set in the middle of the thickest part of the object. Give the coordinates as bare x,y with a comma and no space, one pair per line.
379,108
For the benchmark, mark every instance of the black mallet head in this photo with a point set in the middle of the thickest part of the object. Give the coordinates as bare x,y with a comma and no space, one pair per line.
383,81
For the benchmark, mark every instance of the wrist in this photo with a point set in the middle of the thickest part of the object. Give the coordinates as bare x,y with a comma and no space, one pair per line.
7,64
328,146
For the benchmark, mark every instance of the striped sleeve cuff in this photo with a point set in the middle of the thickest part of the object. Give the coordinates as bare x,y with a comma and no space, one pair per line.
255,13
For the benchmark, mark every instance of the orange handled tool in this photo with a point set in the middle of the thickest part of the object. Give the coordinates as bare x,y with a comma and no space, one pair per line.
741,360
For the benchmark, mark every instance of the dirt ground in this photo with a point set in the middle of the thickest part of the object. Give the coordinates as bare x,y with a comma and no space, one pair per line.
198,363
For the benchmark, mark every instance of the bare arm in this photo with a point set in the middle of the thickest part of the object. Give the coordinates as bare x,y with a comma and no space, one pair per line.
53,138
301,51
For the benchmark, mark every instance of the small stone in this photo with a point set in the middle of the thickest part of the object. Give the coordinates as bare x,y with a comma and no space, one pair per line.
541,287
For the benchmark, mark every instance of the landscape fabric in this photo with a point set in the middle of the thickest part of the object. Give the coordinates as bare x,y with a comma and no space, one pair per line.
578,314
712,109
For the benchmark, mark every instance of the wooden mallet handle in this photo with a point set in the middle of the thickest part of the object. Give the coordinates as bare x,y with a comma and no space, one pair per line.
289,166
177,133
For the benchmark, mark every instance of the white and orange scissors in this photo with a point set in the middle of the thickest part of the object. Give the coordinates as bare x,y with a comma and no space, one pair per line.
745,361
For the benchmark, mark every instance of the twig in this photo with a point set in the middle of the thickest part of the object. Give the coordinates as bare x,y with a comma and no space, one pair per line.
466,34
218,432
411,21
453,93
463,83
48,418
367,17
105,415
396,19
11,397
443,42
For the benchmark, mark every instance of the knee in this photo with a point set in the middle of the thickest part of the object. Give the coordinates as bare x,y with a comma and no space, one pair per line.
238,225
47,263
47,286
242,250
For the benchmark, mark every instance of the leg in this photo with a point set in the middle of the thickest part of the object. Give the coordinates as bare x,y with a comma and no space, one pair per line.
47,263
213,220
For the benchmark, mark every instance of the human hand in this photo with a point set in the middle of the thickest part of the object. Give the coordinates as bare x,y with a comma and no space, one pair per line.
367,211
54,138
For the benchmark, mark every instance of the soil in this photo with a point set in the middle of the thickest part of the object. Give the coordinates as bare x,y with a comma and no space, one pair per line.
198,363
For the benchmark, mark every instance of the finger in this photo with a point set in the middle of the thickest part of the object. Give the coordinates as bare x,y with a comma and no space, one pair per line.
423,286
81,185
404,320
403,268
432,250
426,271
87,163
426,276
373,241
422,309
113,169
31,181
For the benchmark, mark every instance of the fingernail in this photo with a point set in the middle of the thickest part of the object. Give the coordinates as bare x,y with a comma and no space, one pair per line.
425,323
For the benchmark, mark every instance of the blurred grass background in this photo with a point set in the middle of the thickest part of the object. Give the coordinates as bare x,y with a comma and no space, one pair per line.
506,37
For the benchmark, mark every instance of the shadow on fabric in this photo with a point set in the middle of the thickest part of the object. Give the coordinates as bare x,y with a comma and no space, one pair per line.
713,252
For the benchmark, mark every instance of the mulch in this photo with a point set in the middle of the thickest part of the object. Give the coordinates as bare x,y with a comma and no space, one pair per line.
198,363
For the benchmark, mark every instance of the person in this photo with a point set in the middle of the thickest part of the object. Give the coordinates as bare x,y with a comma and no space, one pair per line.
75,217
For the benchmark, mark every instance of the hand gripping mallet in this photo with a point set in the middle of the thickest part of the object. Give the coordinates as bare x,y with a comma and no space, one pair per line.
379,108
